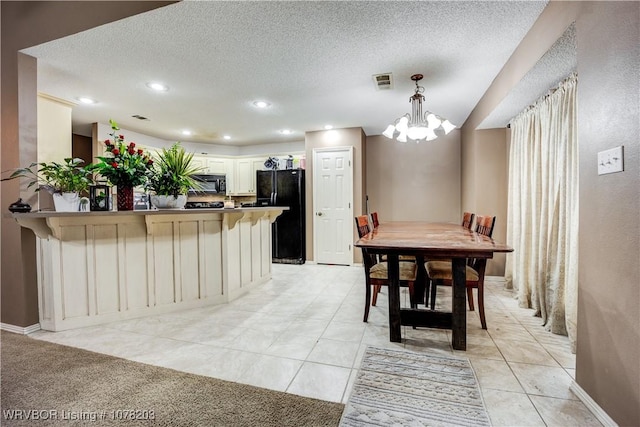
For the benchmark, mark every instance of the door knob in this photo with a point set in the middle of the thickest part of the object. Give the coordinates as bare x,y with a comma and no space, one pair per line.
319,213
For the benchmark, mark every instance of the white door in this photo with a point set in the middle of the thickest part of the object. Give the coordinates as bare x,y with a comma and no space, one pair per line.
333,205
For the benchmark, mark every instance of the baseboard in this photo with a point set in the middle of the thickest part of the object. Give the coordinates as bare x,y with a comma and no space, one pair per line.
499,279
19,329
591,404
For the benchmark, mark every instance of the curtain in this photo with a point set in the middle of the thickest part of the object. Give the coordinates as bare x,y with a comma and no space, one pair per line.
542,219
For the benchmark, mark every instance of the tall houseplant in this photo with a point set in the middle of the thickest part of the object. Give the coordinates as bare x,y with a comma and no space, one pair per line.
63,180
124,166
171,177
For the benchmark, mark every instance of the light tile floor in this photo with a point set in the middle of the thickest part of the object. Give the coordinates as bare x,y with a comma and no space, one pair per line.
302,332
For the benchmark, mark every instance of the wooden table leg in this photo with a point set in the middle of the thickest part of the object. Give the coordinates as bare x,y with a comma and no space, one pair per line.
459,306
394,298
421,286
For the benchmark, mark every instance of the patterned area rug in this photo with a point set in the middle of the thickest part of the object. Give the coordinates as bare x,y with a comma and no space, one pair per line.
402,388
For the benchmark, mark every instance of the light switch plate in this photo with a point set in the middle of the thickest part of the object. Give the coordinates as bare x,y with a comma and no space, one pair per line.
610,161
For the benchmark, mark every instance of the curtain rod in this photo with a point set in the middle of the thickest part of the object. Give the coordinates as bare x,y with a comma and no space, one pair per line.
572,76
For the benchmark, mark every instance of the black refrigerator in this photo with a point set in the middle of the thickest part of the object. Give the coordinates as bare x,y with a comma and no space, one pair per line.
285,188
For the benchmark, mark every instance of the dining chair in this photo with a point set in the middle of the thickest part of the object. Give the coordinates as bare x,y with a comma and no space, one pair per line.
440,272
377,273
374,219
408,258
467,219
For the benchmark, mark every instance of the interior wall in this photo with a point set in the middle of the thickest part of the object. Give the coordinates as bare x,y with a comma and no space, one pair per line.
349,137
490,178
25,24
608,342
54,129
414,182
18,296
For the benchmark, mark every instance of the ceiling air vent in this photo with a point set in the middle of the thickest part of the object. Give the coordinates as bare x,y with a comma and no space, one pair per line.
383,81
139,117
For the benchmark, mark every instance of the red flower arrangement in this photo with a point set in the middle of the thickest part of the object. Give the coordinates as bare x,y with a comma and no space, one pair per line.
124,166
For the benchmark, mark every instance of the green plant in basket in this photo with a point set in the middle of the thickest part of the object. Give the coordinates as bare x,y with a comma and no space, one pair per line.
172,172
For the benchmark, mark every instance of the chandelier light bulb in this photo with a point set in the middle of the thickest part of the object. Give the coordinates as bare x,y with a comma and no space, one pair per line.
447,126
402,125
388,132
434,122
402,137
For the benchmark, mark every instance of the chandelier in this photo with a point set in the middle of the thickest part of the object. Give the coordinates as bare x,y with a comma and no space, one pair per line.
418,126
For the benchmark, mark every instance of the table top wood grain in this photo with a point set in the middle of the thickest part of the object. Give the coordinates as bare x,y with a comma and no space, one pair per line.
437,239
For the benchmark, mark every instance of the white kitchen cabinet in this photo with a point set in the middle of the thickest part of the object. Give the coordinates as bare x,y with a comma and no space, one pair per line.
245,175
243,183
256,165
217,165
200,162
211,165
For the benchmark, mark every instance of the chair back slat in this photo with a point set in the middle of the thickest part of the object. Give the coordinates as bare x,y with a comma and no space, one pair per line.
362,224
467,220
484,224
374,219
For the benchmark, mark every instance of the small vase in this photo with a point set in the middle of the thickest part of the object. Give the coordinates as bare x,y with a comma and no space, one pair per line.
66,202
125,198
168,201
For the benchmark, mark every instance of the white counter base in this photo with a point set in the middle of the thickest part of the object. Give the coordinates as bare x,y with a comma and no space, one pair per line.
95,269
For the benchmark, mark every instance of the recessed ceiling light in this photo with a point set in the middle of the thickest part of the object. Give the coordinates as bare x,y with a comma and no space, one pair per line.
328,127
227,137
86,100
186,132
261,104
286,131
158,87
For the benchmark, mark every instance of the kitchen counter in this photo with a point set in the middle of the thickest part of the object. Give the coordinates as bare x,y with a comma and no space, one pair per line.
99,267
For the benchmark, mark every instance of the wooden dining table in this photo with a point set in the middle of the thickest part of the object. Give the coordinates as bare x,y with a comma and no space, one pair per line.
429,240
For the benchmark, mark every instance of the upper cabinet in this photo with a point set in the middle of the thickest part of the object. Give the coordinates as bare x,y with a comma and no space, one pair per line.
245,175
211,165
200,162
217,166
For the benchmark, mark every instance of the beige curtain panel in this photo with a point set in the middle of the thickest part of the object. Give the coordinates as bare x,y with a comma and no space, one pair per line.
542,221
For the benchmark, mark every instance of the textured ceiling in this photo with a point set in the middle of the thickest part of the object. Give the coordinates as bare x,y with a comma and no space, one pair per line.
558,63
313,61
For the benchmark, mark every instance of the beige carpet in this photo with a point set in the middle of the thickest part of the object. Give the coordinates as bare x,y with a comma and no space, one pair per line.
82,386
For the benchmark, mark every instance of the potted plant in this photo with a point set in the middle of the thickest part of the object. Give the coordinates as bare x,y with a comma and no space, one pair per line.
124,166
171,177
64,180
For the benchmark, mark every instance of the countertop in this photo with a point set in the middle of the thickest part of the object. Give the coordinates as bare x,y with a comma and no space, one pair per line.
145,212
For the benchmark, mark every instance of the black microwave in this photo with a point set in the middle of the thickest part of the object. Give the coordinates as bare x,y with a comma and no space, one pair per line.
210,184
